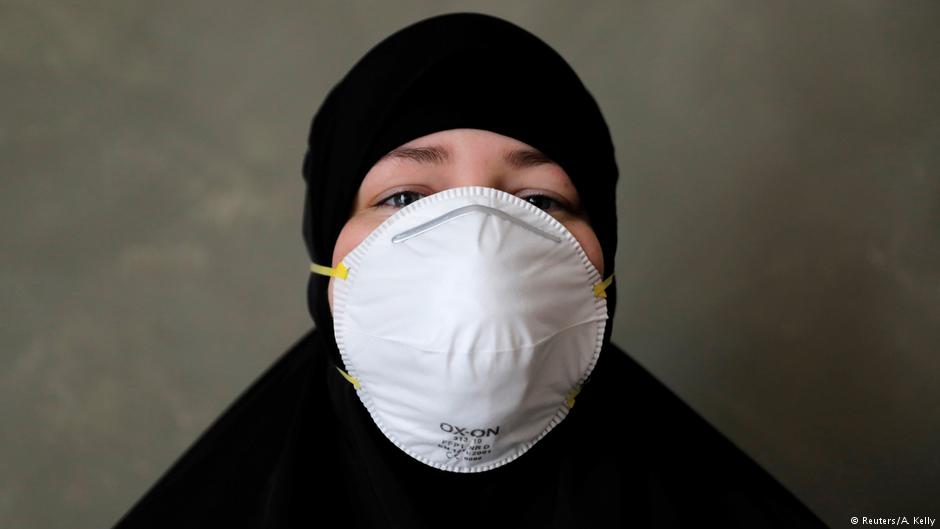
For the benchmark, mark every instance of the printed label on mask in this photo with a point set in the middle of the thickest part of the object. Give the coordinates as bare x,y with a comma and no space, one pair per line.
467,444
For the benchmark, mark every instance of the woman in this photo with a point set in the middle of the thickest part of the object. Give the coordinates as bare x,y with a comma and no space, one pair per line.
461,224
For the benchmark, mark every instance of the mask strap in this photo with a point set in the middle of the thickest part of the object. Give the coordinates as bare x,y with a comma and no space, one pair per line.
352,380
600,288
569,398
340,271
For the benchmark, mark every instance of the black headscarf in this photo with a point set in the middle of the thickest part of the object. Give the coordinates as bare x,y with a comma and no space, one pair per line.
461,70
298,449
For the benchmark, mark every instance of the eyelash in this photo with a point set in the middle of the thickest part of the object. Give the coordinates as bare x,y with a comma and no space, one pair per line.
556,204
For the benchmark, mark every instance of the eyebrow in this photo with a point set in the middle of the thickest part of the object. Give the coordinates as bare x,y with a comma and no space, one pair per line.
439,155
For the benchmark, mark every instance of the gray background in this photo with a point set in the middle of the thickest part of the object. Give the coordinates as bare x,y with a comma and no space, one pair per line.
779,263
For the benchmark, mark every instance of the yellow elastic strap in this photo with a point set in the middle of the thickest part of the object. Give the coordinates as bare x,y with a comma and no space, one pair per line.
569,398
352,380
340,271
600,288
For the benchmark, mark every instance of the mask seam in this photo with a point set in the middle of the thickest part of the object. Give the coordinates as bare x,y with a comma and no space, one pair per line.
499,351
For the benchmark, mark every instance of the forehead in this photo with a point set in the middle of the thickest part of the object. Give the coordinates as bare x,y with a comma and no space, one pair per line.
442,148
419,162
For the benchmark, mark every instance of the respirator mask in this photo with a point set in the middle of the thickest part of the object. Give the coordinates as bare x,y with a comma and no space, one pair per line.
468,322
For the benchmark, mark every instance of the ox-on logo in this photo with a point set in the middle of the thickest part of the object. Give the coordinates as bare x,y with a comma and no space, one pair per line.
467,444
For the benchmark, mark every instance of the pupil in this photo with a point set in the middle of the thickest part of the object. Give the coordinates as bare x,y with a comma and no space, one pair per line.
540,201
401,199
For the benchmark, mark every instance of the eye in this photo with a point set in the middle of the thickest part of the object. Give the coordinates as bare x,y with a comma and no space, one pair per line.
400,199
544,202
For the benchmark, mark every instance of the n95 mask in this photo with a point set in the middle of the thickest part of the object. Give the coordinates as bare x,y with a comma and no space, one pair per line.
468,322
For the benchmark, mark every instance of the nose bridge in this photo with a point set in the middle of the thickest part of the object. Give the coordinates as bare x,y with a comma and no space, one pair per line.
482,175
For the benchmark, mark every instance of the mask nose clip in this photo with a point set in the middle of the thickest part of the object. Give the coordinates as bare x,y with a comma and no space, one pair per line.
466,210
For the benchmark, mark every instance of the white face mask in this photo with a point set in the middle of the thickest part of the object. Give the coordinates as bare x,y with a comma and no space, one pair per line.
468,322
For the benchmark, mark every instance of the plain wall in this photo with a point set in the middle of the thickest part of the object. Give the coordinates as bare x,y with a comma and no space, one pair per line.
779,202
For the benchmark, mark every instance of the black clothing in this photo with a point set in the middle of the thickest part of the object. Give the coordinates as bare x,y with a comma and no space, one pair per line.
298,448
629,454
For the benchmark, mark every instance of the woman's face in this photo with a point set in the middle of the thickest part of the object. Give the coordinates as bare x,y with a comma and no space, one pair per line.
457,158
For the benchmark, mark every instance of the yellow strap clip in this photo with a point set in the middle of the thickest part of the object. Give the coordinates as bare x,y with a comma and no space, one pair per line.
600,288
340,271
352,380
569,398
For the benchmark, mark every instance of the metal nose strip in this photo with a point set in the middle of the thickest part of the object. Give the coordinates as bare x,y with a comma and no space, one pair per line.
466,210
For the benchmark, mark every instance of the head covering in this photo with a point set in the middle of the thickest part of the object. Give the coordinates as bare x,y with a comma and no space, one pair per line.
298,449
459,70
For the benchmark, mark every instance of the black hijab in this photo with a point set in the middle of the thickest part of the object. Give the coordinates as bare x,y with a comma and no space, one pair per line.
461,70
298,449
